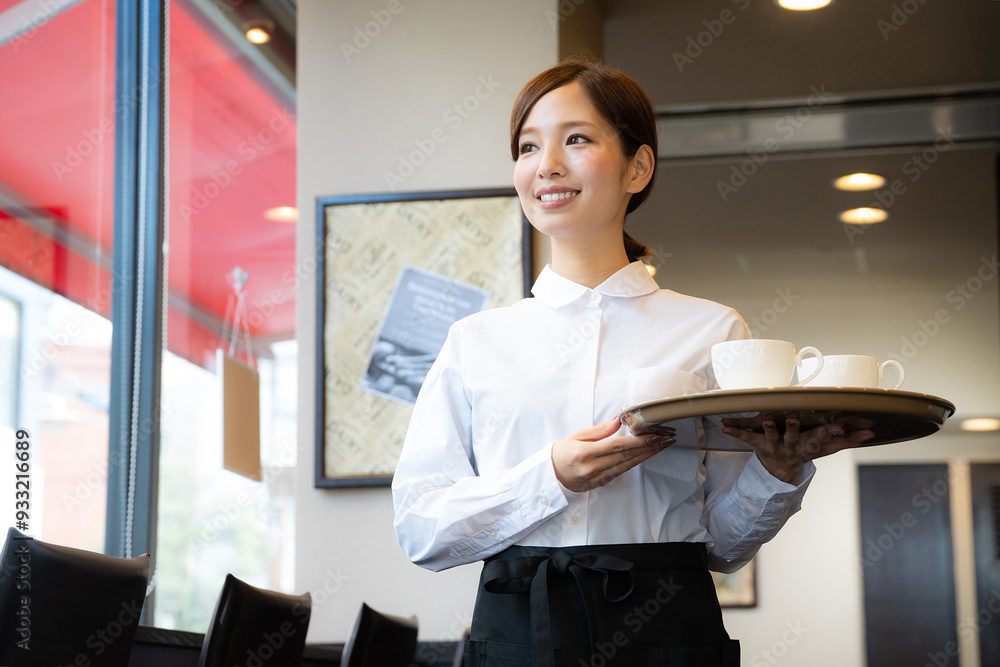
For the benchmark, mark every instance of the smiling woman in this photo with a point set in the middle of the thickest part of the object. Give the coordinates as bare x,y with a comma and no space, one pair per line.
516,454
574,179
619,116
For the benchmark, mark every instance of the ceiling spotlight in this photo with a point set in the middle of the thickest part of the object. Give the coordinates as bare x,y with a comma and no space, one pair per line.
282,214
863,216
980,424
859,182
803,5
259,31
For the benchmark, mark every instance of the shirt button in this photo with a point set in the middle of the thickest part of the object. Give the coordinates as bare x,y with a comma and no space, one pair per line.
591,296
544,500
755,534
493,534
778,501
575,518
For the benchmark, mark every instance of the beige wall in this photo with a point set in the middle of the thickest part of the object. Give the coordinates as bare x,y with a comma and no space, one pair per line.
360,112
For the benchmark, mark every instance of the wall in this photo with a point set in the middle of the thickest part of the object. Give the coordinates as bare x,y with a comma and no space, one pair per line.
364,101
581,30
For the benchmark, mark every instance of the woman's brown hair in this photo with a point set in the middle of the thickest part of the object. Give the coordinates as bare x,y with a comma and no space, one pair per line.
619,100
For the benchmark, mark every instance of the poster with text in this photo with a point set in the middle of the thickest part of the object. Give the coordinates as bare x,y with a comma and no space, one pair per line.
422,308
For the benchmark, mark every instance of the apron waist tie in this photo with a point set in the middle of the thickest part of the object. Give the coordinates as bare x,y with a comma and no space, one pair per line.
530,573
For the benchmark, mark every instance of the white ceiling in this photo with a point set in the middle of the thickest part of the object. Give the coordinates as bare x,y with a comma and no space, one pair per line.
768,52
783,221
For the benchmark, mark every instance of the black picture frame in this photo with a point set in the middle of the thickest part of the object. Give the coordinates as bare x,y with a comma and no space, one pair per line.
381,210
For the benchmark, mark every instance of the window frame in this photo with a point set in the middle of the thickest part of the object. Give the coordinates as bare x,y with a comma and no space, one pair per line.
137,303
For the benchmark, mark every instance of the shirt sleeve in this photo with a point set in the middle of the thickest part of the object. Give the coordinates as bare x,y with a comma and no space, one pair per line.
745,505
446,513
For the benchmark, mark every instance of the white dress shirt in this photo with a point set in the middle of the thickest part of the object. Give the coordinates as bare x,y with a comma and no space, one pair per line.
476,475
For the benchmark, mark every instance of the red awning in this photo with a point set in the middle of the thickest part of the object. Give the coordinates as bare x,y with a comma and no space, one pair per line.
231,157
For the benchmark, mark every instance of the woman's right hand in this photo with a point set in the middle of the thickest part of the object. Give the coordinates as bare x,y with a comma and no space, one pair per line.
591,457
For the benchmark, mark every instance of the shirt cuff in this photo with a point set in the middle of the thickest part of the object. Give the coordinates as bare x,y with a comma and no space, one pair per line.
760,485
537,476
535,494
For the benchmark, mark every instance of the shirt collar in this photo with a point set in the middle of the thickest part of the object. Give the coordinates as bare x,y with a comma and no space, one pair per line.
554,290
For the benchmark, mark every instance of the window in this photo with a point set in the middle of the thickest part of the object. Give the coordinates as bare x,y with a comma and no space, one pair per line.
232,183
57,131
80,134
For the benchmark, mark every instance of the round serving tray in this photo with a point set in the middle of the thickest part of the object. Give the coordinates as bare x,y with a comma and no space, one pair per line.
894,416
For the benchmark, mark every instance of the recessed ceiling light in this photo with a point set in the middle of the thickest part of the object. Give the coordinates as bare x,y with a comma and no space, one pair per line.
863,216
803,5
859,181
980,424
282,214
259,31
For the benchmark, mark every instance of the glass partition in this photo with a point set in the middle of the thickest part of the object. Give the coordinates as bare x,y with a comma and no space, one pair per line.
57,130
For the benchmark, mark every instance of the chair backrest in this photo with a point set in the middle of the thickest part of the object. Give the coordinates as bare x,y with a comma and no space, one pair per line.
65,606
254,626
459,658
380,640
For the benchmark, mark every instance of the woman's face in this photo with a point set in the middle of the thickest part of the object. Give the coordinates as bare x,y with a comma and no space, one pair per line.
571,176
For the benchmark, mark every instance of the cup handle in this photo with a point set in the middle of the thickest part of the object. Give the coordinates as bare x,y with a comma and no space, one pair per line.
808,349
899,370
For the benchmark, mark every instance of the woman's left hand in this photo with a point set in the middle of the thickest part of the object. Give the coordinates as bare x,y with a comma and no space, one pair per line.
783,453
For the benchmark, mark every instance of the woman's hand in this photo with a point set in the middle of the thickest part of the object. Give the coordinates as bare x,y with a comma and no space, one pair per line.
591,457
784,453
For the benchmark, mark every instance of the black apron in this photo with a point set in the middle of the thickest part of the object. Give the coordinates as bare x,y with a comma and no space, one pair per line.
599,606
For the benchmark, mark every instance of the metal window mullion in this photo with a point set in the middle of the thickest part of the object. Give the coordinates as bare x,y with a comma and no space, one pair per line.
138,269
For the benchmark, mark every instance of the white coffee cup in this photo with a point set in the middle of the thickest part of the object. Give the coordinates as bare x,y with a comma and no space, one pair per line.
749,364
849,370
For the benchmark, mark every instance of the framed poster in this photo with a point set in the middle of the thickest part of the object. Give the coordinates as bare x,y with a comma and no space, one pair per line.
737,589
394,271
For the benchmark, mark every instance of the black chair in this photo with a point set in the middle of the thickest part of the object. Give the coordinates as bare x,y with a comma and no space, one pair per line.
65,606
380,640
459,659
255,626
